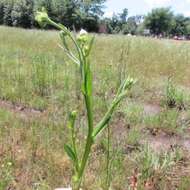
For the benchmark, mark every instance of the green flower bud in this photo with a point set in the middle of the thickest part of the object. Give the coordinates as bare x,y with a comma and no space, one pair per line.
129,83
72,118
75,179
82,38
42,17
73,114
86,50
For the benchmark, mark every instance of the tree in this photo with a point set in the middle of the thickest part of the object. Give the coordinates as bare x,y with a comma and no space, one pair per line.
74,13
187,27
1,11
117,22
114,24
90,12
160,21
188,30
47,4
130,26
140,29
22,13
123,15
7,9
93,7
180,27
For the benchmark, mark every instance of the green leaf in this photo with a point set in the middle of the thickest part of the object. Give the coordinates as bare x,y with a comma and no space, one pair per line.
70,152
63,35
90,46
89,81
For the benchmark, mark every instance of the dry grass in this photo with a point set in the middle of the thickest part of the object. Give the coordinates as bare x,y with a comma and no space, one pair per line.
36,80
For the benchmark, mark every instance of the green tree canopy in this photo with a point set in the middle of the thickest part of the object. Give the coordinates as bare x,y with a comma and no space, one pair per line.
73,13
160,21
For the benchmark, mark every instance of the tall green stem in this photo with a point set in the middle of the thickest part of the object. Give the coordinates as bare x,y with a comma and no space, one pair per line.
108,158
83,48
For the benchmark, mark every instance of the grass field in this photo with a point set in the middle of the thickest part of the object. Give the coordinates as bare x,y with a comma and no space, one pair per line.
150,132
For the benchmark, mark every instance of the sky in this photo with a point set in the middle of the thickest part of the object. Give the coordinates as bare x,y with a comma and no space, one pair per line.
136,7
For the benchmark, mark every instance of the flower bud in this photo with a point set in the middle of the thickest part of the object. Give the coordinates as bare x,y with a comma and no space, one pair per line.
74,114
86,50
72,118
82,38
129,83
42,17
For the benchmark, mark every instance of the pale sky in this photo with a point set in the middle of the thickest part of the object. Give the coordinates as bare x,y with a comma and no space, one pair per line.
136,7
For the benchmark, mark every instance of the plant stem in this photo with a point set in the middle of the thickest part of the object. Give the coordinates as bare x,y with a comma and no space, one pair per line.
61,27
89,141
108,158
83,48
100,126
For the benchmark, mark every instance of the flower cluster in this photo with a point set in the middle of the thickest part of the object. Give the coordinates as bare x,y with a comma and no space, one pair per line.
83,40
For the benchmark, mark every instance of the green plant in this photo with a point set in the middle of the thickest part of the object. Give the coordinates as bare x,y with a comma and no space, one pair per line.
122,67
151,163
133,114
166,121
184,183
43,75
5,175
83,46
133,137
174,97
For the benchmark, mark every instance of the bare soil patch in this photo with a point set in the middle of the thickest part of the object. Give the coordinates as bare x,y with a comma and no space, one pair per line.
21,110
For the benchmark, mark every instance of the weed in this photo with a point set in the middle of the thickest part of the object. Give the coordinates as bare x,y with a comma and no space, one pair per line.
83,45
184,184
125,50
152,165
166,121
174,97
5,174
133,137
43,75
133,114
149,59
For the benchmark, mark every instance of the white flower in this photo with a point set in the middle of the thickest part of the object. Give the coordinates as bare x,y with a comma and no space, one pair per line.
82,37
83,32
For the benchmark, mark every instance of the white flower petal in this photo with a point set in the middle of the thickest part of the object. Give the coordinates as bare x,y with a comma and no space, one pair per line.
83,32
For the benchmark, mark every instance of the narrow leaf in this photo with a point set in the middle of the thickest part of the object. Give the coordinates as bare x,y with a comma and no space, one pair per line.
89,82
70,152
90,45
